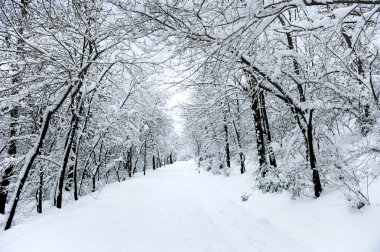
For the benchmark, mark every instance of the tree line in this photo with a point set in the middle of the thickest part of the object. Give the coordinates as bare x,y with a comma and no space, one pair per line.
78,105
293,84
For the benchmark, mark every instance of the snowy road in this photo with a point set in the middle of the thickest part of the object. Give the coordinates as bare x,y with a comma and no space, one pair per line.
171,209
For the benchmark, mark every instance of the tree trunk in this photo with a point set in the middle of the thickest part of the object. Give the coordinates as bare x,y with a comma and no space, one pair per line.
227,145
365,119
312,158
198,152
310,153
75,179
96,172
70,173
79,138
129,162
14,113
117,172
272,158
12,151
130,165
40,190
88,161
94,183
68,147
259,135
241,154
158,159
33,152
135,166
144,157
236,124
258,121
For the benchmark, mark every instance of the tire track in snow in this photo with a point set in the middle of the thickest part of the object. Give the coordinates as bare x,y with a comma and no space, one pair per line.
244,231
231,235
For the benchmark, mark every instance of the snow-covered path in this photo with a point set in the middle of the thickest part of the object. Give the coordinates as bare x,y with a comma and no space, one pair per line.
171,209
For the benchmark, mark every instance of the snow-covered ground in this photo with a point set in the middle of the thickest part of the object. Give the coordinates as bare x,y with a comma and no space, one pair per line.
178,209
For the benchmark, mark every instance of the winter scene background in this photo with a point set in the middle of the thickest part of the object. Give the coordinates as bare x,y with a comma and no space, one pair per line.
190,125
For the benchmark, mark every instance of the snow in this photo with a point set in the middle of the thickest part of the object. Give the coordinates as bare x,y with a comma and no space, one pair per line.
343,12
175,208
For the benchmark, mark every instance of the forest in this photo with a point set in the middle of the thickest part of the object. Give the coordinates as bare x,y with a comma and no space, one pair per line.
289,88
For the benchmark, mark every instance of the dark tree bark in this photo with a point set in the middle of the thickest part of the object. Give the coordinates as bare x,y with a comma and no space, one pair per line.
70,173
135,166
272,158
236,125
241,154
12,151
226,143
258,121
299,116
198,151
14,113
85,172
259,134
39,194
154,162
327,2
76,149
129,162
33,152
68,147
70,136
365,119
312,158
98,164
308,132
94,183
145,163
158,160
86,49
75,178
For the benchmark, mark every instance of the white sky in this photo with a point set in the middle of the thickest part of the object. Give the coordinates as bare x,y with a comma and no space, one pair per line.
167,81
174,110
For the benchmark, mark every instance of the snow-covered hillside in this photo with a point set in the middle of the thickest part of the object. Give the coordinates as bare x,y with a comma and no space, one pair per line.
176,208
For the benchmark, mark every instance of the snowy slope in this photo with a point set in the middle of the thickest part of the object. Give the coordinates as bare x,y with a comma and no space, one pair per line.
177,209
